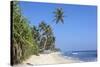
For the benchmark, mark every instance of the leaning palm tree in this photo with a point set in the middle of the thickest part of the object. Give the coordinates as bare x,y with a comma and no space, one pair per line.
42,28
58,15
46,31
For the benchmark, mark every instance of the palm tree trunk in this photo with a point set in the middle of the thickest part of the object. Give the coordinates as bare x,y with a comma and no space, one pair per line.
45,43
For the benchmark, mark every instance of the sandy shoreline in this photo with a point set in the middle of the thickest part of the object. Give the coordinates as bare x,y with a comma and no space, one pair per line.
42,59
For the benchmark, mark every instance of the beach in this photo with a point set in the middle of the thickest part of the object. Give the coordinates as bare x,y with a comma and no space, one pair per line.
45,59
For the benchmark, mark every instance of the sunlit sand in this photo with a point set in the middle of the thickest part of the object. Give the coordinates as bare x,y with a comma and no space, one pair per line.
44,59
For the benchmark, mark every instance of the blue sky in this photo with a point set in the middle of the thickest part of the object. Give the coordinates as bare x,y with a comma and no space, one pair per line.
80,23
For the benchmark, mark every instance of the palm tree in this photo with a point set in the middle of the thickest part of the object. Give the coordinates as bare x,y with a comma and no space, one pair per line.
42,28
59,15
46,31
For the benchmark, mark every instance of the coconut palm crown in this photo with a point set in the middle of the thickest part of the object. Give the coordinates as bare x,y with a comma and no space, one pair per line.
59,15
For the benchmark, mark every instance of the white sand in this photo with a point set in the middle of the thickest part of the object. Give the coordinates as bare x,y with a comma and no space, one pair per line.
52,58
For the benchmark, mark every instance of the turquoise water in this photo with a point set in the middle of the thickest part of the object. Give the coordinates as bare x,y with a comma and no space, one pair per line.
86,56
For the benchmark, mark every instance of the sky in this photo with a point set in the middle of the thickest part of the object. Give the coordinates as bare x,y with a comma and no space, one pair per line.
79,31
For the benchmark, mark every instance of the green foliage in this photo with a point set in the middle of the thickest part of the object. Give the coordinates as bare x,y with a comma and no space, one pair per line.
27,40
47,38
59,15
23,44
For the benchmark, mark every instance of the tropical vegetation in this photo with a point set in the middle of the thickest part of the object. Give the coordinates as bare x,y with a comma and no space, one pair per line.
30,40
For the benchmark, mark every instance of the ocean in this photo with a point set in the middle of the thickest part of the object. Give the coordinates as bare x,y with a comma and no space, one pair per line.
85,56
